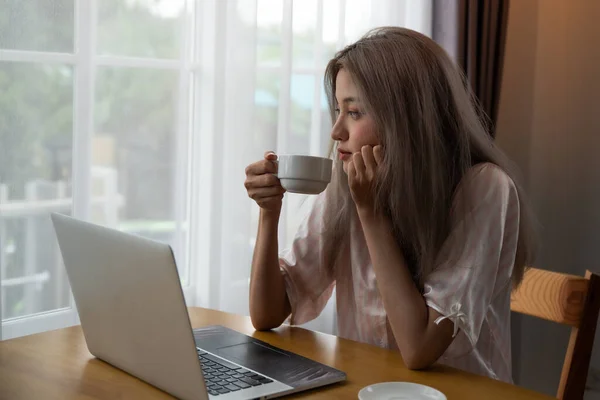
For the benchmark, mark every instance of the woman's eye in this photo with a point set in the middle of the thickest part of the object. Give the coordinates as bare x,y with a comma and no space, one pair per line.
354,114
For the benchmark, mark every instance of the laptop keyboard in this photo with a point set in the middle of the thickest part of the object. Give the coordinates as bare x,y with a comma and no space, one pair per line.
223,377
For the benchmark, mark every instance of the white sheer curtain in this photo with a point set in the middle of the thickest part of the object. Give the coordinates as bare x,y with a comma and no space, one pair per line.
143,114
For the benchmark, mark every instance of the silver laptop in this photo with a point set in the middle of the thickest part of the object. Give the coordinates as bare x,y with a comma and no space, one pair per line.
133,315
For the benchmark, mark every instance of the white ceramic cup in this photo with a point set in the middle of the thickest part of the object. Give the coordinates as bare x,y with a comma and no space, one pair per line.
304,174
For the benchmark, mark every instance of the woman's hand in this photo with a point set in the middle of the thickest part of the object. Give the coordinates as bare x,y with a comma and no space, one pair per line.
362,176
262,186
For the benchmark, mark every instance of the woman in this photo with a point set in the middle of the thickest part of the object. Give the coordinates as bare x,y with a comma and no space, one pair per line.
423,230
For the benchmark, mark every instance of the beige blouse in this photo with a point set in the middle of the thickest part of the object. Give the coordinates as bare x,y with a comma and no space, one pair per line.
471,284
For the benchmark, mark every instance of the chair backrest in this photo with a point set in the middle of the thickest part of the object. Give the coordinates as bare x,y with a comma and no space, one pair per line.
570,300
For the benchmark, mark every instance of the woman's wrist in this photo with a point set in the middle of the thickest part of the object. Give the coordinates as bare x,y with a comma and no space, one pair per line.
369,213
270,216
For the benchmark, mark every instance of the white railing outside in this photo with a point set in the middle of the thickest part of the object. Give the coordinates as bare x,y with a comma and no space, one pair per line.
41,263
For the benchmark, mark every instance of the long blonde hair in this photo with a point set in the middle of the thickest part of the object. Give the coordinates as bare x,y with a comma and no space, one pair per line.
432,131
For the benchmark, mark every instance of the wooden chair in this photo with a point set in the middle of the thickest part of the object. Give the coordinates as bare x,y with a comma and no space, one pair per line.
566,299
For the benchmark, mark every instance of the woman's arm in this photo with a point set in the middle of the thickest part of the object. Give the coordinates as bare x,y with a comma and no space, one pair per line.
463,285
269,304
420,340
294,282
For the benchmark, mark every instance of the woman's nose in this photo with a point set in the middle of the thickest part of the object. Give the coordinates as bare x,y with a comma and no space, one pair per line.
339,132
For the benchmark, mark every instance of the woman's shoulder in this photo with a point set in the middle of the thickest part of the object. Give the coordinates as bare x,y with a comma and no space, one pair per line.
487,174
486,181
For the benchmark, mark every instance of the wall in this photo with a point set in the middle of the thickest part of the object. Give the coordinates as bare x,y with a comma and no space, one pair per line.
549,123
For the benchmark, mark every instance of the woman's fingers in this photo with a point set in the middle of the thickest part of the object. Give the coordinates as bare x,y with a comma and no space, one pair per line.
261,181
359,164
369,161
351,172
378,154
265,192
270,155
261,167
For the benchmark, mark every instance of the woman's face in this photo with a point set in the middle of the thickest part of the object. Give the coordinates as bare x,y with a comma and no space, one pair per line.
353,128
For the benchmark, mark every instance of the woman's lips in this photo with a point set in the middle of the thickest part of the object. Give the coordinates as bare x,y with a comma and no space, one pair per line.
344,155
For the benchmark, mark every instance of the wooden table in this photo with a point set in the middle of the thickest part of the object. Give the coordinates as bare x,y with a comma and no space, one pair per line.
57,365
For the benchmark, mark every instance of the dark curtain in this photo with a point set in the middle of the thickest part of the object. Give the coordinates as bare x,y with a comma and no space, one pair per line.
473,32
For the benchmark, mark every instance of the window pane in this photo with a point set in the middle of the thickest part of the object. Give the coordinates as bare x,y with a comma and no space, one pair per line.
140,28
266,100
135,165
302,94
36,127
358,20
304,30
268,25
43,25
331,27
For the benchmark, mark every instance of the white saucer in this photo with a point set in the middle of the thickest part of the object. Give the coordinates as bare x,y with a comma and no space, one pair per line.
400,391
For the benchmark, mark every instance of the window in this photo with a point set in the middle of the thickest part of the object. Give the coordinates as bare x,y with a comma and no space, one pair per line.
91,120
142,115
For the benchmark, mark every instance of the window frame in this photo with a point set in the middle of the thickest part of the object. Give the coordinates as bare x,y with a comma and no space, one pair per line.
85,63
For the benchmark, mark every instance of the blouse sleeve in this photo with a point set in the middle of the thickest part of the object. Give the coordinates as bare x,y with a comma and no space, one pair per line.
476,260
308,283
